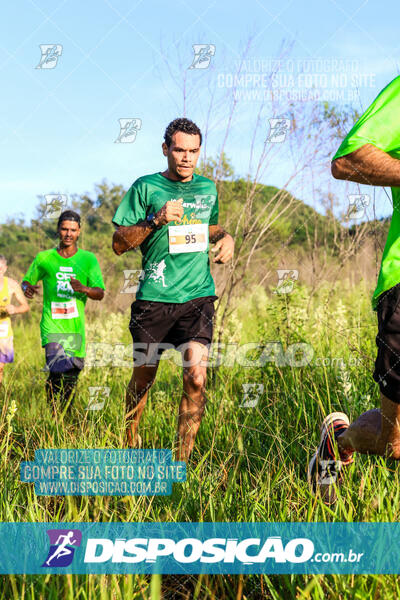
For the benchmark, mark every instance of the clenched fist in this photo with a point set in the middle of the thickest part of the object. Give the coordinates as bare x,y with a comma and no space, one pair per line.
171,211
29,290
77,285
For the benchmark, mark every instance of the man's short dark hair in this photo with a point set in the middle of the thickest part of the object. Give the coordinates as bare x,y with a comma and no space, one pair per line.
69,215
3,259
184,125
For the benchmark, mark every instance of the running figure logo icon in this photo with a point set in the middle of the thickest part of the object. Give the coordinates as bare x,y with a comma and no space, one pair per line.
357,206
55,204
202,55
63,543
98,396
286,279
50,55
133,278
278,130
128,130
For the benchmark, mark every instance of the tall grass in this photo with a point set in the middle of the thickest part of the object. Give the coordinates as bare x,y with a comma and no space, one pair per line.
249,464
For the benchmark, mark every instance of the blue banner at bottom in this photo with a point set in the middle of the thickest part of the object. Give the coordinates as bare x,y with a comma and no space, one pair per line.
177,548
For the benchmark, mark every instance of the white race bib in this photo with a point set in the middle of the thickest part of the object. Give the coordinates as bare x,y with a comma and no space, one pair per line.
64,310
4,330
188,238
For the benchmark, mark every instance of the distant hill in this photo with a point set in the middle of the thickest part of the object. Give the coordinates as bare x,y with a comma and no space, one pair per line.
299,231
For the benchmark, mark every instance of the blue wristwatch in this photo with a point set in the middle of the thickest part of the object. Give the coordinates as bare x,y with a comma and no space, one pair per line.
150,221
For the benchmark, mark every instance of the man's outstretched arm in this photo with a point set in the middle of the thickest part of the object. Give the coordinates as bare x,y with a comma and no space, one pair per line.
368,165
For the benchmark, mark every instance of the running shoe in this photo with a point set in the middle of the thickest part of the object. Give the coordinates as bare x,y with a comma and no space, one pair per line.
325,467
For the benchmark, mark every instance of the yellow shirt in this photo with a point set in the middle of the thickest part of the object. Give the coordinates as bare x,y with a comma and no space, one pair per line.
5,321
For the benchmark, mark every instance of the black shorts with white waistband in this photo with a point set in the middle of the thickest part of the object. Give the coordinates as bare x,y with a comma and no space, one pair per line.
163,325
387,364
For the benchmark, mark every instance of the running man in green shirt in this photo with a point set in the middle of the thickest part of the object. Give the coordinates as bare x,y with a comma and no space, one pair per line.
370,154
70,276
172,216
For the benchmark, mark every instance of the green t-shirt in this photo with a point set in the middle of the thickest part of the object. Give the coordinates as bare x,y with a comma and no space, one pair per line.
170,275
63,315
380,126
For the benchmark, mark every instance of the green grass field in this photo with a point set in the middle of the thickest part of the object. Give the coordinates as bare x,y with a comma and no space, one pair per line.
249,464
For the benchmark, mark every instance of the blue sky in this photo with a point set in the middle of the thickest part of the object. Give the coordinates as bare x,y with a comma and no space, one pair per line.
125,59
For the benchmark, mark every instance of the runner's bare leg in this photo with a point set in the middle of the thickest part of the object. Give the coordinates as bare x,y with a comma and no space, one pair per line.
136,398
193,401
376,431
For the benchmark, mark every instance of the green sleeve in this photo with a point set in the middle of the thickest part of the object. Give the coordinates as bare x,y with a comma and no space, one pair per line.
379,125
214,211
133,206
95,278
34,273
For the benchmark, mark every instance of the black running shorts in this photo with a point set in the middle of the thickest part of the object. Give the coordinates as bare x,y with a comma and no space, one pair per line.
157,326
387,364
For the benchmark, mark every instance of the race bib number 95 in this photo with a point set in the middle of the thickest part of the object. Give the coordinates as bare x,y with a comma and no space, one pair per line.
64,310
188,238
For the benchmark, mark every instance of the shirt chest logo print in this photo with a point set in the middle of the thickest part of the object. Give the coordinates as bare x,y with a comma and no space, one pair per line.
156,272
200,209
201,206
64,289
